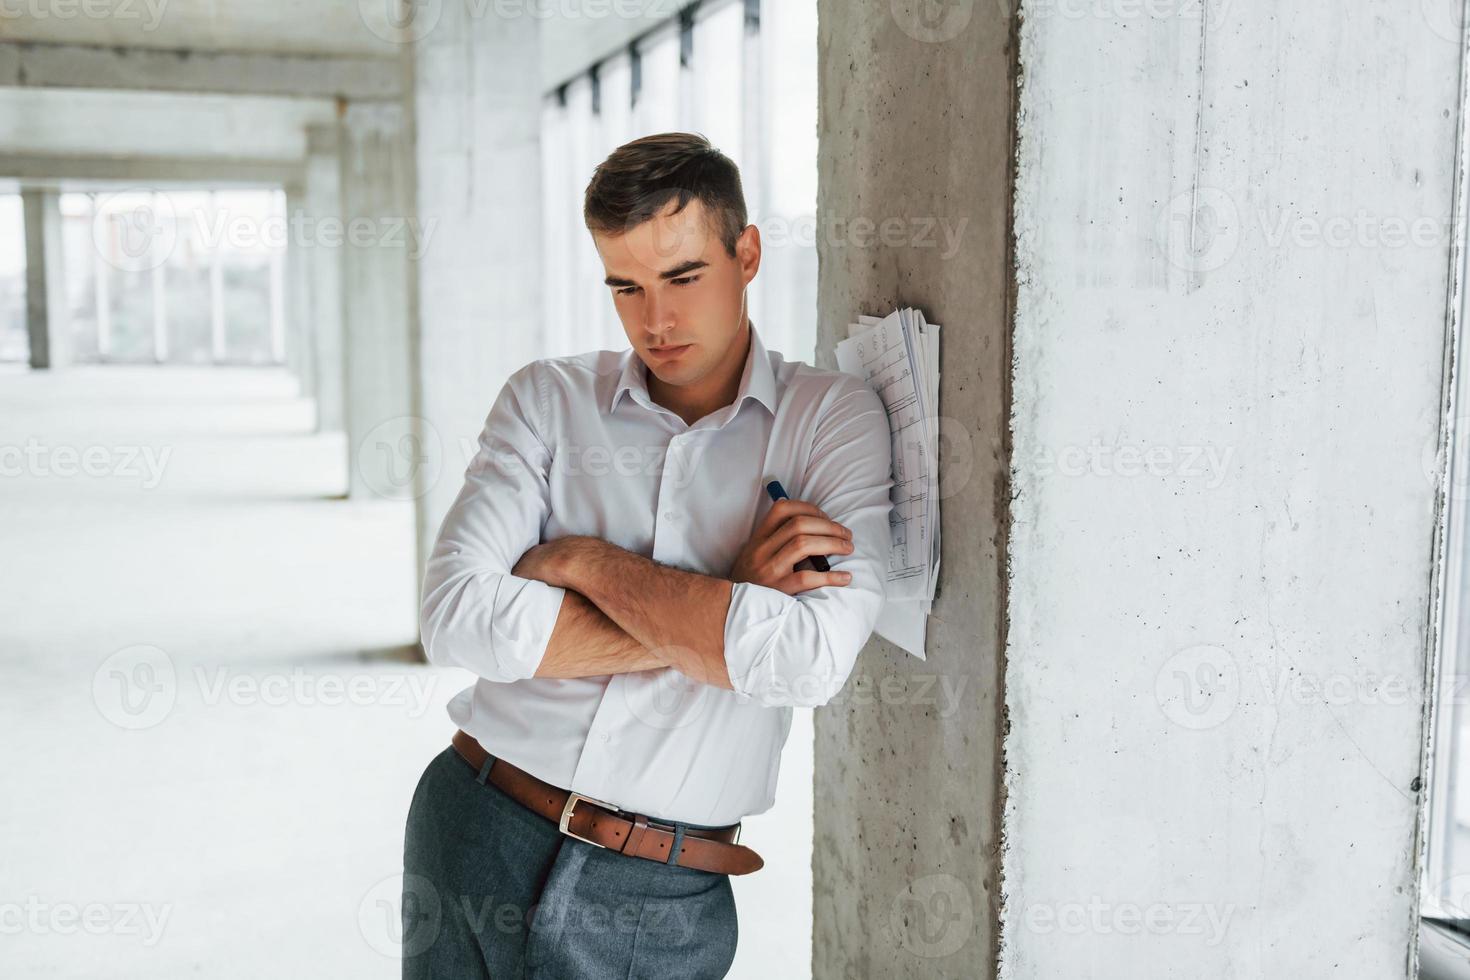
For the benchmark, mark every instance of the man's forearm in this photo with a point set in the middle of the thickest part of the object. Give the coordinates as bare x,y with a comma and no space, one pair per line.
676,615
585,642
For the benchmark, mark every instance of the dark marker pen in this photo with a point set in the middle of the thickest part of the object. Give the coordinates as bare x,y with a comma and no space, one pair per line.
778,492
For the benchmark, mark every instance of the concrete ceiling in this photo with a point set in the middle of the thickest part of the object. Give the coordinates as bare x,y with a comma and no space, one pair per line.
84,122
329,27
569,44
569,40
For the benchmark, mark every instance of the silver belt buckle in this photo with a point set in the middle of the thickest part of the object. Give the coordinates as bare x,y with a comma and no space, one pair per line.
566,816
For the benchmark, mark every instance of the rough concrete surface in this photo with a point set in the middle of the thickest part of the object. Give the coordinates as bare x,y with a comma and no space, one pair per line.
914,122
1229,343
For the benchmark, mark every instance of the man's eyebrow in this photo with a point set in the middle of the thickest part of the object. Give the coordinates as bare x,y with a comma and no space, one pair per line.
683,268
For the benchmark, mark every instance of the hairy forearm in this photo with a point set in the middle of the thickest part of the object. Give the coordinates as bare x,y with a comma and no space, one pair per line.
585,642
676,615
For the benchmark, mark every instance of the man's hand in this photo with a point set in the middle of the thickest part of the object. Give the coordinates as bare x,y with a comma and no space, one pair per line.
543,562
792,531
673,618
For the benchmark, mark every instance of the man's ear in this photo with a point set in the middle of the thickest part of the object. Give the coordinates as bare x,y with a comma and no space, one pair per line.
748,252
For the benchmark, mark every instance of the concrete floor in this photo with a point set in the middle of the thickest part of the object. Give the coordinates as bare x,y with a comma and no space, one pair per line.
210,734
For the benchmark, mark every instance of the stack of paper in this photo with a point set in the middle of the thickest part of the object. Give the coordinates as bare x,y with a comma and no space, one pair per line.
898,356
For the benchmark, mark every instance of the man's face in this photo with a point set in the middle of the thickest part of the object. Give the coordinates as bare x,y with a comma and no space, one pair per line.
673,283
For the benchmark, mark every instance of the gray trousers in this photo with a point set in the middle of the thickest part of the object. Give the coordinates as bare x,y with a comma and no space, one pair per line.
491,889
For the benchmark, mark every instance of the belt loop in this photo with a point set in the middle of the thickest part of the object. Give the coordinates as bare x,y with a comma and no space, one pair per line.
485,770
678,844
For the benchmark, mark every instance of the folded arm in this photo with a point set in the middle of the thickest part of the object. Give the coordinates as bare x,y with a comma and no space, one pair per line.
586,643
678,617
505,606
775,648
483,605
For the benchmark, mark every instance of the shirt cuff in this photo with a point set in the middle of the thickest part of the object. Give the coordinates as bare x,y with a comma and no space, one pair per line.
525,615
753,628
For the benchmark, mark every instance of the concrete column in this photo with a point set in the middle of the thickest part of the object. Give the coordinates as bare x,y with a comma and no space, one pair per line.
382,431
300,336
1234,235
477,114
47,320
320,252
915,138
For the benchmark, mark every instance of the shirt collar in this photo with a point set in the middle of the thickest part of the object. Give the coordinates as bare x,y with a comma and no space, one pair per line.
757,381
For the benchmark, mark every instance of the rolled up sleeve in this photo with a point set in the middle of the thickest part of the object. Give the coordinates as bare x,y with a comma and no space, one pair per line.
473,612
799,650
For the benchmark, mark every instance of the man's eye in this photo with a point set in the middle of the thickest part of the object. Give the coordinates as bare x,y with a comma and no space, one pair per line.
683,280
626,290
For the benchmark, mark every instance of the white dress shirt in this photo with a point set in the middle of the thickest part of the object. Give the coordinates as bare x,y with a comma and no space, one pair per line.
575,446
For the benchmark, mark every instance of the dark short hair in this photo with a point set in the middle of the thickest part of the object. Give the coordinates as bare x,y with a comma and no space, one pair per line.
638,180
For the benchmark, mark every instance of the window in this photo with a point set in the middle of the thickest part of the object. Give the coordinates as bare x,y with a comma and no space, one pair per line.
742,73
178,276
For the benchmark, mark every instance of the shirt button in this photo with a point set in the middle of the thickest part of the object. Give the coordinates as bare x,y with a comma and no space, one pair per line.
604,736
670,515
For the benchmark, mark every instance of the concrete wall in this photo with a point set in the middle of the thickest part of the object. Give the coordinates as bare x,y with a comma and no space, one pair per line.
914,123
478,151
1229,341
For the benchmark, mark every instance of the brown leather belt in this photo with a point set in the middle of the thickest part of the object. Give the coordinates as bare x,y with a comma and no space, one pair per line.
595,822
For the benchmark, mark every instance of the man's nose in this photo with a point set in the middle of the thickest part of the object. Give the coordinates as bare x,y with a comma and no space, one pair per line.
658,315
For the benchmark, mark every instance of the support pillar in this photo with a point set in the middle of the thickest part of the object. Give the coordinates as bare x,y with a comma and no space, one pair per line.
320,252
915,136
300,335
47,321
384,455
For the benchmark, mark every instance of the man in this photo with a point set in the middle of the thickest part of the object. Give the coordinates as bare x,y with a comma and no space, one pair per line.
641,616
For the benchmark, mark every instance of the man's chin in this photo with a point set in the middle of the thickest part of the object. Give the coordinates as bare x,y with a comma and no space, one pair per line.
673,374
